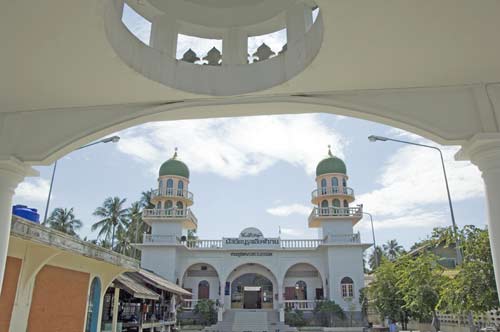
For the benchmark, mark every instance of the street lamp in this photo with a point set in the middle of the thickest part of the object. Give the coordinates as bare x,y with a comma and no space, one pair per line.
374,138
112,139
373,235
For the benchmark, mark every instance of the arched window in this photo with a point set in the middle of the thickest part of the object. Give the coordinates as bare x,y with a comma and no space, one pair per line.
300,290
324,207
180,208
180,188
93,305
203,290
344,182
170,187
335,184
160,189
347,287
323,186
158,205
168,207
346,204
336,203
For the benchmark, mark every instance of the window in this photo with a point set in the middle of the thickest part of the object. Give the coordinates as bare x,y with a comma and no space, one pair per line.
344,182
158,205
266,46
168,207
300,290
93,305
180,188
347,287
136,24
199,50
323,186
324,208
203,290
160,184
170,186
335,182
336,203
180,209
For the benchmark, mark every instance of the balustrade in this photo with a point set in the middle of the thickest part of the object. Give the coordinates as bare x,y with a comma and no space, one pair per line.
204,244
172,192
344,238
332,191
305,305
150,238
299,244
337,212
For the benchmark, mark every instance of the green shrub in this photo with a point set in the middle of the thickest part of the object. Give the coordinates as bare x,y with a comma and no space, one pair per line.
207,312
295,318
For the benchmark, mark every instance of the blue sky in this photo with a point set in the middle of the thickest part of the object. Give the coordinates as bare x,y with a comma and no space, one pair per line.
241,179
259,171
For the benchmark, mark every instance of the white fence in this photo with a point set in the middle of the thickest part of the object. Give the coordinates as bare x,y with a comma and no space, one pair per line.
304,305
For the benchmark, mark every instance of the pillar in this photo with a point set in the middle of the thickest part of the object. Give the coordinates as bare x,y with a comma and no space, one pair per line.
164,32
298,21
12,172
281,302
483,150
235,47
116,303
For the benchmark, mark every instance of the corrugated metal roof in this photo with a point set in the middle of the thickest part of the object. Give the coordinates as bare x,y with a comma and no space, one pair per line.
162,283
135,288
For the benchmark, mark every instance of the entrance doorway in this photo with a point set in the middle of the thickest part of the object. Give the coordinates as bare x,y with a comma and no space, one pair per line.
251,291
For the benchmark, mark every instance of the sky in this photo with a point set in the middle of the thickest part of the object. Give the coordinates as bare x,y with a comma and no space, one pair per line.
242,179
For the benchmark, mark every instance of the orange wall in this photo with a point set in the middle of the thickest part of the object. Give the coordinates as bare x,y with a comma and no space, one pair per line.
59,300
9,288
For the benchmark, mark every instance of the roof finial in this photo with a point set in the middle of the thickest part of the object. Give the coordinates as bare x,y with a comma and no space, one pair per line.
175,153
330,151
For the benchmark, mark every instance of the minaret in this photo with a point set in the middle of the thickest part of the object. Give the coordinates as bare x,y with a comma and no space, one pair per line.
332,198
172,200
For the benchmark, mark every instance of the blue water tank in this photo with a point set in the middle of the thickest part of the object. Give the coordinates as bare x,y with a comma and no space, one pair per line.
25,212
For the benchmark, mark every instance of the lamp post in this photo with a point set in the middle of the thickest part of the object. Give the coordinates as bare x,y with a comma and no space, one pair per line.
373,235
374,138
113,139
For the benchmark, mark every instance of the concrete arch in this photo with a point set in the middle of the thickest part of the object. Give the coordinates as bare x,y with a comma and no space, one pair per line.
197,262
320,271
312,282
199,275
413,109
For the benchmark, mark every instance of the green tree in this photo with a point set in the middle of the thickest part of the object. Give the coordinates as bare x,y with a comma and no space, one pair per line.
328,312
385,292
295,318
137,227
392,249
380,255
114,218
473,289
146,199
64,221
206,310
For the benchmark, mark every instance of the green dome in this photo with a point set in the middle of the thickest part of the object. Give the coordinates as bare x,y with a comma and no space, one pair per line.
173,166
331,164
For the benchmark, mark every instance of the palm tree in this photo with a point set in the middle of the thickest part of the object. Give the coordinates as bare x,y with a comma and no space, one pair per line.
64,221
146,199
136,223
113,216
392,249
372,262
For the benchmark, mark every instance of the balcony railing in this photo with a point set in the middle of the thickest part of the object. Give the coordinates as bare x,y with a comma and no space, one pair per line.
160,239
305,305
300,244
332,191
172,192
204,244
184,213
336,212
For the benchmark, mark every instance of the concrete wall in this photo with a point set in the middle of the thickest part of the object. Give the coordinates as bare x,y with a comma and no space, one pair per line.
8,294
59,300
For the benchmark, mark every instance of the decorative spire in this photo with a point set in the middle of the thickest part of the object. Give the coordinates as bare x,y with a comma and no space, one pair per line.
330,151
175,154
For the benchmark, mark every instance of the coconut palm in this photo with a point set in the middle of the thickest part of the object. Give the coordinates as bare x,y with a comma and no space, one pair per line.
64,220
114,217
372,262
146,199
137,226
393,249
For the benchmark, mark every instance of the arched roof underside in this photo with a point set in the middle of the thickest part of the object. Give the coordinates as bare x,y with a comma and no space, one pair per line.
431,68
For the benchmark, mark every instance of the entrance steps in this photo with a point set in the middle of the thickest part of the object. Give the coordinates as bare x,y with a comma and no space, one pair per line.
248,320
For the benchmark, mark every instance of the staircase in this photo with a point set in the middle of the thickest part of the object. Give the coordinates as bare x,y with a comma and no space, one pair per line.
250,321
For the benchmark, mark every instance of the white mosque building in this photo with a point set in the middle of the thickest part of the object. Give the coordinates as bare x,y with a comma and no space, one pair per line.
252,271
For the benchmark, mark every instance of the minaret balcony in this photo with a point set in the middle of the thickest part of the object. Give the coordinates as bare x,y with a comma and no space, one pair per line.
321,214
185,195
329,192
185,215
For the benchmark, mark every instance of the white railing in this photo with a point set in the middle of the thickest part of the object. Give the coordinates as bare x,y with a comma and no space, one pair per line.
332,191
161,239
336,212
170,213
300,304
204,244
300,244
343,238
489,318
172,192
189,304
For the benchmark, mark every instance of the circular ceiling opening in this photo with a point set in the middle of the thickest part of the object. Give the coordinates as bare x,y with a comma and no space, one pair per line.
215,47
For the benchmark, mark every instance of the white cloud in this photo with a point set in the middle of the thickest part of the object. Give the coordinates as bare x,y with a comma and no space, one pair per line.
234,147
298,233
417,219
412,190
32,190
286,210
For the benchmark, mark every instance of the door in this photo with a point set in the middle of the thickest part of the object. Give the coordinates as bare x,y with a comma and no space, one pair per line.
251,300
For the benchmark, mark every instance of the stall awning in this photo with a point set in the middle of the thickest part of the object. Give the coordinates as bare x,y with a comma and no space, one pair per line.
135,288
160,282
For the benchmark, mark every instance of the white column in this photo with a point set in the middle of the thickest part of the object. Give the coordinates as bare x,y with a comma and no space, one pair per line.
12,172
483,150
164,32
235,47
281,302
116,303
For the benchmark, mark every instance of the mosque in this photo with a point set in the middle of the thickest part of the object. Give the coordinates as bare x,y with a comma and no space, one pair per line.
252,271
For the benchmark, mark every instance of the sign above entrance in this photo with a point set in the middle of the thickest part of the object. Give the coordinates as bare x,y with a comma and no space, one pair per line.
250,237
251,232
